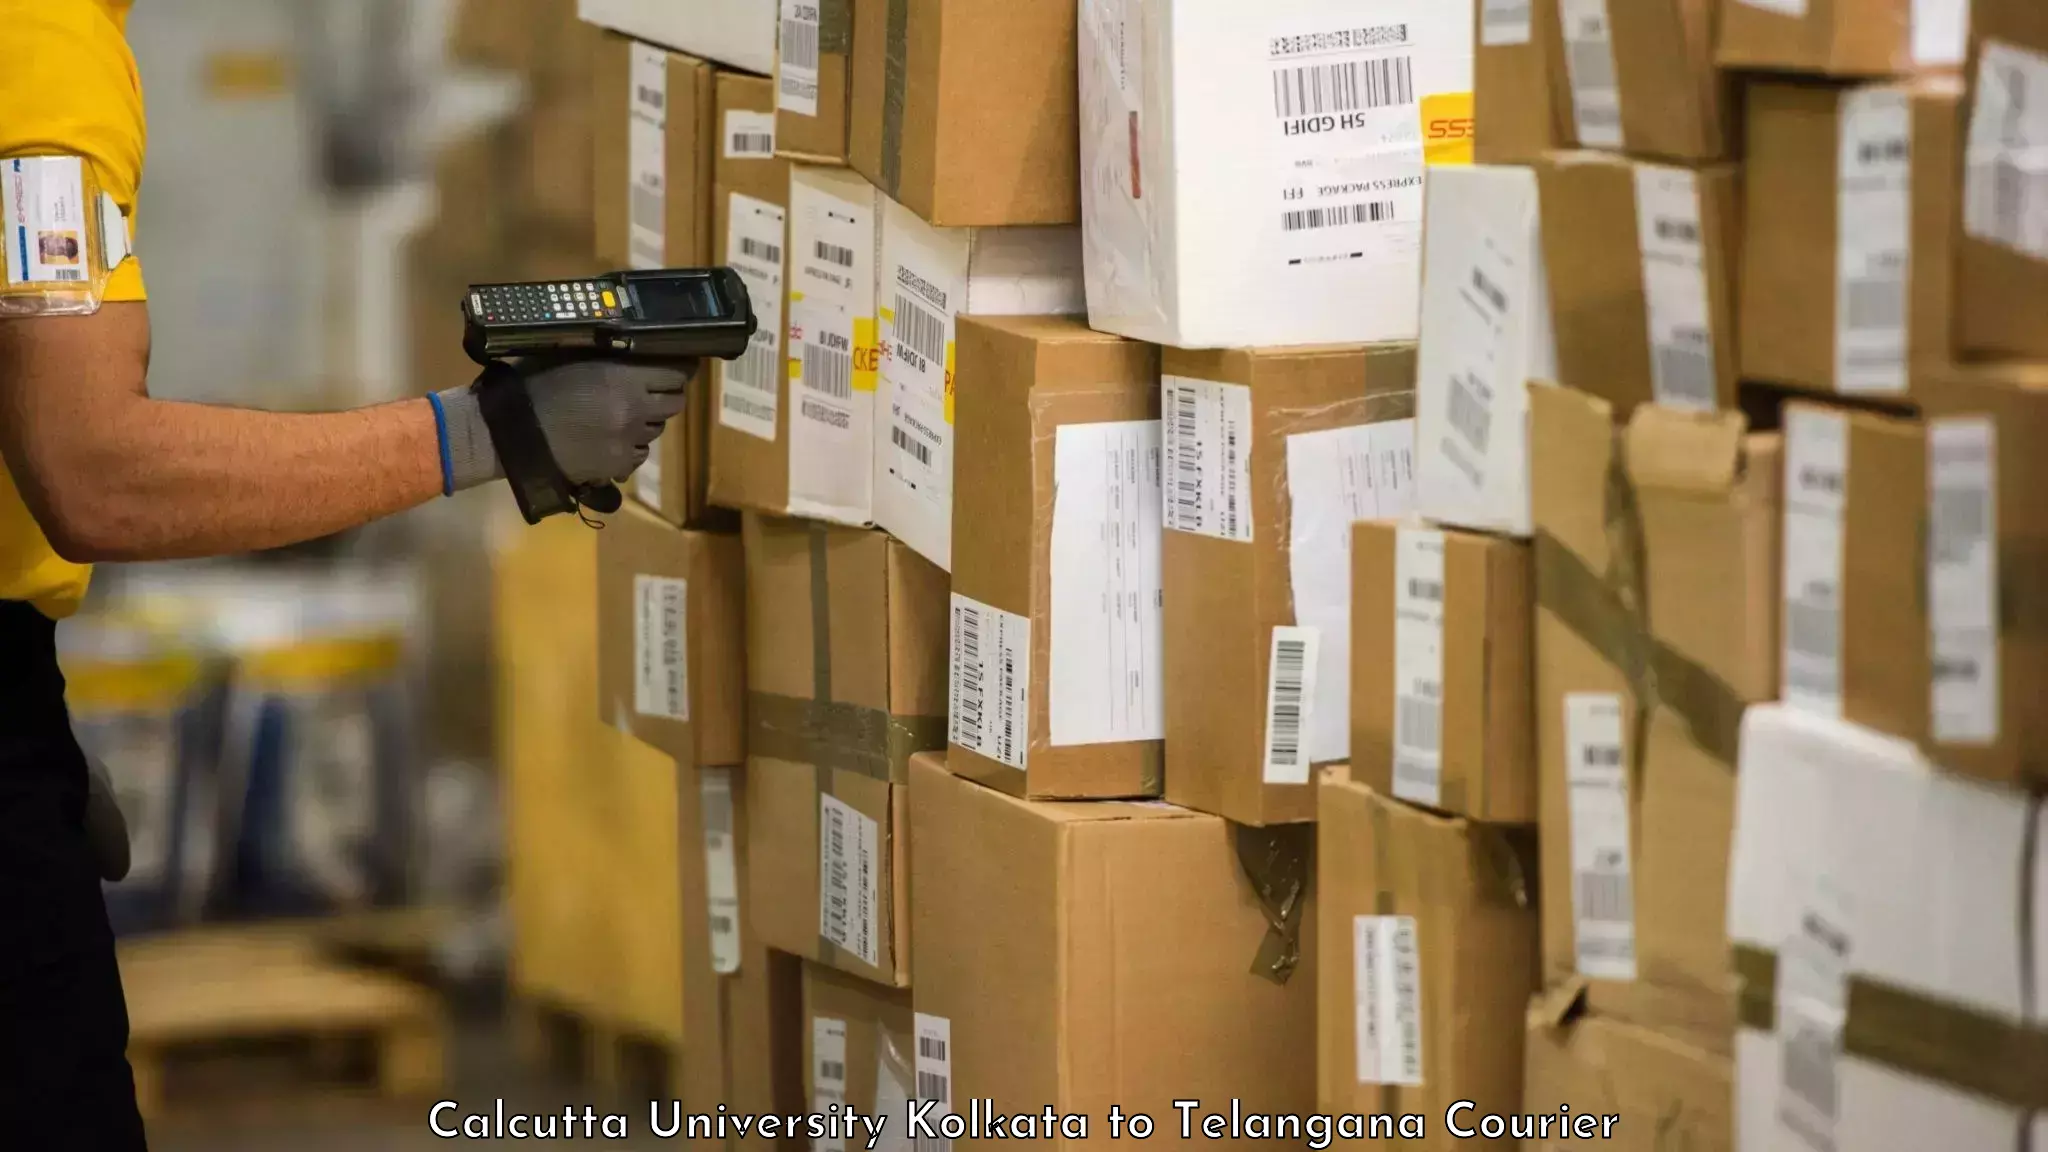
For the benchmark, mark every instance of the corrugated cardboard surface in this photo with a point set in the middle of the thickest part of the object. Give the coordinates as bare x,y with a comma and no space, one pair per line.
746,470
846,647
1019,379
1668,1093
1791,228
1594,256
1470,889
1521,92
687,151
879,1037
1674,103
636,543
965,112
1846,38
736,33
1693,504
1223,598
821,139
784,882
1488,739
1089,955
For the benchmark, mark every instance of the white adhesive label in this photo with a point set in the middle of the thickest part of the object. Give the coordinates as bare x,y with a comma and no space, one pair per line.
1874,240
1669,230
1108,667
749,135
1336,478
1208,434
1387,980
1793,8
832,355
989,702
849,880
1290,703
1345,140
1589,63
935,1077
828,1077
647,159
923,288
2005,174
750,388
721,870
1816,495
1962,574
1504,23
43,224
647,477
1418,665
1812,1005
796,58
1941,32
1603,893
661,649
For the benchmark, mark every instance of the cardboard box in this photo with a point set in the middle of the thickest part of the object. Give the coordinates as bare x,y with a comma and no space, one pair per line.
1656,624
1987,573
1844,38
1056,661
1642,79
560,118
1163,1002
1587,1075
1881,914
671,651
831,872
1642,262
1520,88
846,648
1271,456
1486,332
750,234
1237,189
1442,670
1429,941
736,33
963,112
814,80
929,278
1849,198
858,1049
513,35
2002,253
1855,615
654,115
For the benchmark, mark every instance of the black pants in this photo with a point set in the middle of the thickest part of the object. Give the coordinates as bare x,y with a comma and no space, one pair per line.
64,1076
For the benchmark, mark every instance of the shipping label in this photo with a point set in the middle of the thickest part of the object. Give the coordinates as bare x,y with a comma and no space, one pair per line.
833,354
1683,373
1107,678
796,58
1603,893
935,1076
1208,437
750,387
828,1076
1387,980
2005,174
924,287
749,135
849,879
647,159
1874,241
989,708
721,875
1290,703
1418,665
1816,496
1504,23
661,652
1488,292
1812,1004
1962,575
1589,64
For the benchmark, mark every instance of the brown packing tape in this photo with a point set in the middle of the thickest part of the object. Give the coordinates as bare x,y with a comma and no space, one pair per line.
1277,861
895,78
835,734
835,27
1916,1034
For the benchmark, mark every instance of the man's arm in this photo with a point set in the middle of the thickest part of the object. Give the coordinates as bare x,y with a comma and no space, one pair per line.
111,474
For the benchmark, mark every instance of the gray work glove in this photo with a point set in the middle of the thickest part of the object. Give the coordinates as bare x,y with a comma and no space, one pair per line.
599,416
106,830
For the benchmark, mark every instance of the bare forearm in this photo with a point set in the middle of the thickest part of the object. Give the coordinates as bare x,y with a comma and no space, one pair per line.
181,480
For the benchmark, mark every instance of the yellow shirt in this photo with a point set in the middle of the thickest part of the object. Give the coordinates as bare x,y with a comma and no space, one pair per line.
69,89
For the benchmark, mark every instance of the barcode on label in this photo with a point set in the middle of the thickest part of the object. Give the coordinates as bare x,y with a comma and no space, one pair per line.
647,208
1962,520
1813,629
766,251
922,331
931,1086
1432,590
720,924
832,1070
1676,231
1421,723
1874,305
1283,725
828,371
1686,372
1407,1001
1592,70
1604,897
718,811
918,449
1492,293
799,44
1602,755
755,367
1187,472
653,98
838,884
1347,86
930,1048
834,253
1809,1057
1467,410
672,654
752,144
67,273
969,690
1370,212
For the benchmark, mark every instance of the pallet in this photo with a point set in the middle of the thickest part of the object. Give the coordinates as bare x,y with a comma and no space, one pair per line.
613,1062
269,1000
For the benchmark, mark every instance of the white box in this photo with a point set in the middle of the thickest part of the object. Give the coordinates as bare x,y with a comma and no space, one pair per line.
834,354
1923,880
929,277
736,33
1251,173
1486,332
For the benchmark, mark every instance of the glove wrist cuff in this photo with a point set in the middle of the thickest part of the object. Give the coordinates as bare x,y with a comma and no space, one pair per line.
469,457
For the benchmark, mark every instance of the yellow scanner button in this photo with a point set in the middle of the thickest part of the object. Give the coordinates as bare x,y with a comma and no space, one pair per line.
610,301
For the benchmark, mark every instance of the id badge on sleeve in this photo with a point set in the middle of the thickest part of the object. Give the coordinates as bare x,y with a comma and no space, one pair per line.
60,237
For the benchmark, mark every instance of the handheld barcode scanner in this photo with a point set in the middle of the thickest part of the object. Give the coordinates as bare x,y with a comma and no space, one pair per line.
672,314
